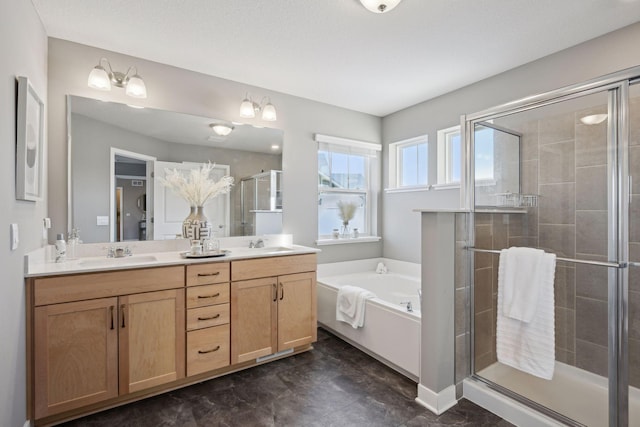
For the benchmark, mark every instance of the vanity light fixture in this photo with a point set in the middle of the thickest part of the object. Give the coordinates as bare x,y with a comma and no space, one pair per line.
101,79
594,119
249,108
221,129
380,6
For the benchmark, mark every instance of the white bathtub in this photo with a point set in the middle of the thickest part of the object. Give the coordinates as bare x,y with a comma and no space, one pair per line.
390,333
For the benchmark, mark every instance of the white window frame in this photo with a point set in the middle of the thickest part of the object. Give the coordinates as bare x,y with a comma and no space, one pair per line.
445,159
395,164
372,176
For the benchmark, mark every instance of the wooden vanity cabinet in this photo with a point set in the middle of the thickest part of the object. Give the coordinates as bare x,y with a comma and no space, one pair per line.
93,341
274,313
208,316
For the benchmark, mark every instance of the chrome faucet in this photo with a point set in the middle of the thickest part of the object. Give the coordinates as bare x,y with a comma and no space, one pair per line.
258,244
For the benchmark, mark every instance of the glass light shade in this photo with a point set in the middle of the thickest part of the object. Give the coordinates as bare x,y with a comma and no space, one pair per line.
269,113
246,109
222,130
593,119
136,87
379,6
99,78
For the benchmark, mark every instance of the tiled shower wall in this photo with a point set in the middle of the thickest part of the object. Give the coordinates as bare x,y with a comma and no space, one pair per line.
564,161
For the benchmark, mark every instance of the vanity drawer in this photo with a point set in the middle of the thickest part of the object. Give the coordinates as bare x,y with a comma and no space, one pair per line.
200,296
273,266
208,349
205,317
205,274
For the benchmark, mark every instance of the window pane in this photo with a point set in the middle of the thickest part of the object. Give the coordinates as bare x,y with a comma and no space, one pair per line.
357,172
324,169
423,164
329,213
455,158
409,165
339,170
484,153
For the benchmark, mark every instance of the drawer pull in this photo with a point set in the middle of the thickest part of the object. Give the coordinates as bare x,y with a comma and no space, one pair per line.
209,318
122,310
275,292
281,292
217,273
209,296
111,310
208,351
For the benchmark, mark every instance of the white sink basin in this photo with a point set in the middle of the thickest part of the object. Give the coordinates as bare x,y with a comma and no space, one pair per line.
261,251
100,262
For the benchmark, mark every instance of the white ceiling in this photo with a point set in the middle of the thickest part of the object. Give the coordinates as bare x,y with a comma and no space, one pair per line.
335,51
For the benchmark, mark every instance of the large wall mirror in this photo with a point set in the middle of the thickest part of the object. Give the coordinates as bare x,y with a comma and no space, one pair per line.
118,151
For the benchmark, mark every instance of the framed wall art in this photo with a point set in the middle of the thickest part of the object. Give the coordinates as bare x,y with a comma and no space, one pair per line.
29,143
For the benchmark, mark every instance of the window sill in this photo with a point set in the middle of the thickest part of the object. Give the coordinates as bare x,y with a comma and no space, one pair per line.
407,189
349,240
447,186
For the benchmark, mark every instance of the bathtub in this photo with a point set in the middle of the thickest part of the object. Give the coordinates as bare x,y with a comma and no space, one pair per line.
390,333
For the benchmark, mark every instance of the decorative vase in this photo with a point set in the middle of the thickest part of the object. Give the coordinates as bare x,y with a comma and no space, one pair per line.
345,231
196,226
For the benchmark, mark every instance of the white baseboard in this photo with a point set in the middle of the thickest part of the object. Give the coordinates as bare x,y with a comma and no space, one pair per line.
437,403
27,423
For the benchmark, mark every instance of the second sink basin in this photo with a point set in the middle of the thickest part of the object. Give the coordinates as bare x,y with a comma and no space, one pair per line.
99,262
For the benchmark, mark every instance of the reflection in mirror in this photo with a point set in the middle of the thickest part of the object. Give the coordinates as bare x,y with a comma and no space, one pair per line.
117,152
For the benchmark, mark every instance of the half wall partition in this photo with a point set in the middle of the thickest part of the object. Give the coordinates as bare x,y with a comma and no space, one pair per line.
569,191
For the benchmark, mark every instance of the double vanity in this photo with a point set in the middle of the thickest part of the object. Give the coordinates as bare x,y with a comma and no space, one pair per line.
102,331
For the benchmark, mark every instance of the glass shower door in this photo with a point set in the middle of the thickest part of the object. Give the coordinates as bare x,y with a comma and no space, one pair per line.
634,255
553,188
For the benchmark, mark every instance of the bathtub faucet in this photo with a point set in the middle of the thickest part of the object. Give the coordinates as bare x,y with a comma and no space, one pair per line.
409,306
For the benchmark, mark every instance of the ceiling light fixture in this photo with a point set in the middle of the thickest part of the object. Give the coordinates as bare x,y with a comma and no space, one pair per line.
249,109
101,79
379,6
593,119
221,129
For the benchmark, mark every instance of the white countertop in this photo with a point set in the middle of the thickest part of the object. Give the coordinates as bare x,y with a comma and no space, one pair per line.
37,264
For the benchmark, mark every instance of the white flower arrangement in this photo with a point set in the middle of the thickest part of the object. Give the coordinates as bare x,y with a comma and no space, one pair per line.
197,188
346,211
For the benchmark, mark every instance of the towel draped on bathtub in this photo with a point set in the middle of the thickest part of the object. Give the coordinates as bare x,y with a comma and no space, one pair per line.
350,305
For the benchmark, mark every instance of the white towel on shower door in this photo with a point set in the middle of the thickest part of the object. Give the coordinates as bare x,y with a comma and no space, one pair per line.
350,305
526,345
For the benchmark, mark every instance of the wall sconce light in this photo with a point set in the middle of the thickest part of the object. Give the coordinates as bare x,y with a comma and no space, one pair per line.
221,129
249,108
379,6
101,79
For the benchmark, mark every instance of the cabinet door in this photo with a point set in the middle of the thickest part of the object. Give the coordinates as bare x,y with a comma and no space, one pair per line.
152,339
253,319
297,318
75,355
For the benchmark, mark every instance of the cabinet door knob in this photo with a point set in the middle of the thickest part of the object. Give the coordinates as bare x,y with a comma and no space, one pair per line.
209,318
210,296
208,351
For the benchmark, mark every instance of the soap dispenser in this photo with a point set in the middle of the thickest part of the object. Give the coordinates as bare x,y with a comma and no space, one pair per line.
61,248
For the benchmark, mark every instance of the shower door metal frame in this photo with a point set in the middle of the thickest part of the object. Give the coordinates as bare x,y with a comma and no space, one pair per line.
617,87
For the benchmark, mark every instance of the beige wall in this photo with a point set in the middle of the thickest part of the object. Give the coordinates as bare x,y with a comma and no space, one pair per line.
23,47
176,89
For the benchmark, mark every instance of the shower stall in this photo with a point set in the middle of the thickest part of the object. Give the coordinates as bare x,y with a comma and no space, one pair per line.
560,172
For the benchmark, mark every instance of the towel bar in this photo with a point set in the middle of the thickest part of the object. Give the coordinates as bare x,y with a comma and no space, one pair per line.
575,261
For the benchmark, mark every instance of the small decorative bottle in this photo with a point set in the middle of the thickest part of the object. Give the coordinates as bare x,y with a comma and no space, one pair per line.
345,232
61,248
356,233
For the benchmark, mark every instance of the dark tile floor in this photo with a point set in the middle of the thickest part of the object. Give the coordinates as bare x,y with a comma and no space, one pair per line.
333,385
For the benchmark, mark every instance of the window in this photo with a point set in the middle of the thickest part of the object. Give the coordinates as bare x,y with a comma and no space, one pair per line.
348,172
449,155
409,163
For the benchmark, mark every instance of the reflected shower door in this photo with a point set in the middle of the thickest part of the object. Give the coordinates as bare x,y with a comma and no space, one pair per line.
550,185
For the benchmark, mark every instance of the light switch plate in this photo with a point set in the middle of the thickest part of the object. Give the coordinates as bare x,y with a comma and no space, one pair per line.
15,238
